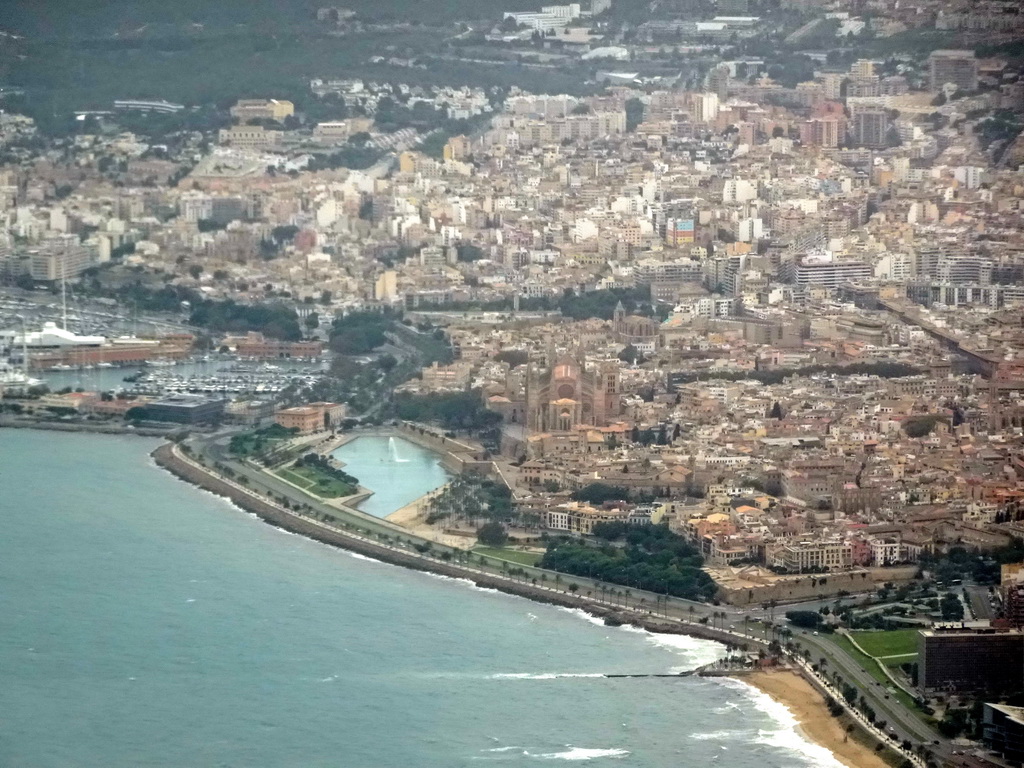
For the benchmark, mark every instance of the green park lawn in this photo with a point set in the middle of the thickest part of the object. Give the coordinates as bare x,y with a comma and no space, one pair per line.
897,642
316,482
511,555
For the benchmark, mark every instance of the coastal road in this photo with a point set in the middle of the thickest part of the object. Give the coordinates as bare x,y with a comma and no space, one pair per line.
216,451
741,623
898,717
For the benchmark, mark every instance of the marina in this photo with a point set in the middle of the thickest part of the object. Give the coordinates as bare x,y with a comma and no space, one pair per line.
262,380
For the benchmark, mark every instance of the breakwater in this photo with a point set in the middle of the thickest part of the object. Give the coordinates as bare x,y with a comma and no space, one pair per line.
167,457
99,428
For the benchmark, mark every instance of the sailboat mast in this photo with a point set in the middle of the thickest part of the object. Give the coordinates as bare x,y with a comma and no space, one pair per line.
64,287
24,347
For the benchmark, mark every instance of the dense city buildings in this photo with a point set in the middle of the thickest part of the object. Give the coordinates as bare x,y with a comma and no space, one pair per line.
745,278
759,271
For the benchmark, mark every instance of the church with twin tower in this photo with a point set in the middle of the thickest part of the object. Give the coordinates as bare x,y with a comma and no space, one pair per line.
571,393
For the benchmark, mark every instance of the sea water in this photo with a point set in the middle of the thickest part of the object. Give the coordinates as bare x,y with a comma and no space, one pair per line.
144,622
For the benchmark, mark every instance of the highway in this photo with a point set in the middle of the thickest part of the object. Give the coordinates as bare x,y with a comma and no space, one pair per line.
904,723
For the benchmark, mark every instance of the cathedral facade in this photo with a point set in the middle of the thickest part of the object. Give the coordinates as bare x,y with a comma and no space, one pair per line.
571,394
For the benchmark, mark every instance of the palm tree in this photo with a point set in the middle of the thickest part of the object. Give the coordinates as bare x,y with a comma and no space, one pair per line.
574,587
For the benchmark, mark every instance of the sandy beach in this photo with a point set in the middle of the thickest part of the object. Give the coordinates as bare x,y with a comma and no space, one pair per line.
808,707
413,517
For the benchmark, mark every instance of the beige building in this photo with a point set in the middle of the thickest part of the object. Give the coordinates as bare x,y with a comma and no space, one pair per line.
385,287
311,418
801,556
246,110
581,518
248,137
447,377
340,131
457,148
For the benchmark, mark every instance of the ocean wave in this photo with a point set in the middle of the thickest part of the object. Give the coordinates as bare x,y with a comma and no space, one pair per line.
460,580
580,753
717,736
729,706
580,613
785,736
697,651
359,556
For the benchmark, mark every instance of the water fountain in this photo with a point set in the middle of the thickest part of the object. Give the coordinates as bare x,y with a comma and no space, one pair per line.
393,451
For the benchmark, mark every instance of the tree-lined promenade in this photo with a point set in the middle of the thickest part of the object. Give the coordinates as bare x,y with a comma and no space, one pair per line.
286,506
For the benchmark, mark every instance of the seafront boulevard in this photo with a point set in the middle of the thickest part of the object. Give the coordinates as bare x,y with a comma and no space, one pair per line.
288,507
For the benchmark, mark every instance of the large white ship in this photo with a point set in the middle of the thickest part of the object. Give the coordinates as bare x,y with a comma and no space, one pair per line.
12,379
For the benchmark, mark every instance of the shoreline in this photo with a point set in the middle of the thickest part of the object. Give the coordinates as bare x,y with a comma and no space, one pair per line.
788,687
167,458
814,722
87,427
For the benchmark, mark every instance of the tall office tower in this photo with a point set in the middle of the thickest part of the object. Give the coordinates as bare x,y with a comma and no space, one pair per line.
704,107
869,128
828,132
952,66
863,68
833,82
718,82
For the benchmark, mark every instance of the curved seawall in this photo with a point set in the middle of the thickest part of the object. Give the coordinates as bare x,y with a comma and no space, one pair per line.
167,457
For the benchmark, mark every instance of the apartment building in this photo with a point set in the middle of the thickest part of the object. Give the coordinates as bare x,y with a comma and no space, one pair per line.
802,556
312,417
952,66
246,110
962,658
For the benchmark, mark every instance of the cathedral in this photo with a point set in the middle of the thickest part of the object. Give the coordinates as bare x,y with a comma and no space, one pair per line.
569,395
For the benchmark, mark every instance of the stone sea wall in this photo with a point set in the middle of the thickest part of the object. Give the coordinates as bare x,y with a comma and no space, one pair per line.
166,458
812,586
